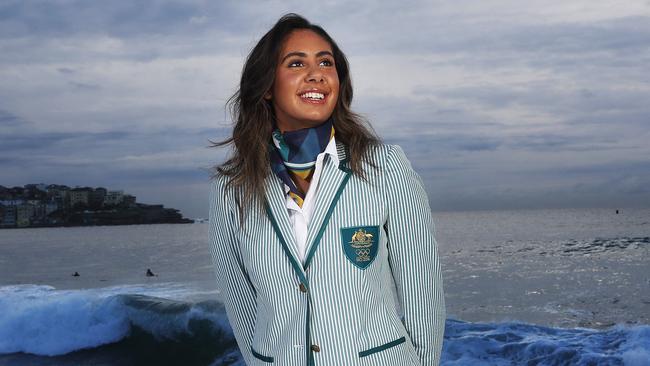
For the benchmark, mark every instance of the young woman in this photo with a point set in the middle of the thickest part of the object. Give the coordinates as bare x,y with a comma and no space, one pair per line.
321,236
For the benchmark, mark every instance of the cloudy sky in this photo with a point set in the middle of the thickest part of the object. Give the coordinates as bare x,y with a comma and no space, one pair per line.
498,104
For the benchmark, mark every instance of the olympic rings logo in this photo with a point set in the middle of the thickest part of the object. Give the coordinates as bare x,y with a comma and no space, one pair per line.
363,252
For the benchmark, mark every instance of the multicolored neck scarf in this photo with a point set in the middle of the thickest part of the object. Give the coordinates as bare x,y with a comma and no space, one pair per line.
296,151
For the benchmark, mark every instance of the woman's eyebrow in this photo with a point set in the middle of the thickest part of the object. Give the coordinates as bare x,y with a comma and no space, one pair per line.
302,54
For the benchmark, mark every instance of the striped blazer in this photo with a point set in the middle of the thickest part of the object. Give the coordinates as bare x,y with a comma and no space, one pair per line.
370,289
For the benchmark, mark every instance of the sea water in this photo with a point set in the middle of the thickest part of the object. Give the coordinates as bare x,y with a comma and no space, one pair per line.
525,287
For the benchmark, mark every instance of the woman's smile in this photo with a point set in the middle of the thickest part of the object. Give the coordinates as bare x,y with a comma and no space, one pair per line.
314,96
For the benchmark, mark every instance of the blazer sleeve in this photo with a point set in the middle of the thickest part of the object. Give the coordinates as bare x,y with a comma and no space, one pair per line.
413,257
236,290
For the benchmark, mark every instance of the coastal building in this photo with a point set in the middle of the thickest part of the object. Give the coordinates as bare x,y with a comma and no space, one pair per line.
79,197
12,202
113,198
59,194
24,214
38,208
7,216
51,207
129,200
96,198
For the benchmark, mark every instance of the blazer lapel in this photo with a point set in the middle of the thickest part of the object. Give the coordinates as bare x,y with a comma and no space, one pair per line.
276,209
333,178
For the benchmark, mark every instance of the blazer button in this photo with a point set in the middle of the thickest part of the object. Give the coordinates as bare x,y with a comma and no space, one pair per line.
315,348
303,288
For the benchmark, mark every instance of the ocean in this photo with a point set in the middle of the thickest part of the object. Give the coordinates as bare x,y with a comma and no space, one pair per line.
522,287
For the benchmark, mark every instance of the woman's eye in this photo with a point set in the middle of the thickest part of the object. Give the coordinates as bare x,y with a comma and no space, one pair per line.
300,63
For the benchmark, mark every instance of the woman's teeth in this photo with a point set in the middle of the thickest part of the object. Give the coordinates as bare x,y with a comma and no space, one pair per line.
311,95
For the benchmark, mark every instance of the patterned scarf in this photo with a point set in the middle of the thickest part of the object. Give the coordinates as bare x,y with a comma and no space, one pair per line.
296,151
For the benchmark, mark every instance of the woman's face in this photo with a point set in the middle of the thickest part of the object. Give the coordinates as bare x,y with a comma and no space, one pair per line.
306,85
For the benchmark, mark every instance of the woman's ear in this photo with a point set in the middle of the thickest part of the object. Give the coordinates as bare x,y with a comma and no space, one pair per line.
267,95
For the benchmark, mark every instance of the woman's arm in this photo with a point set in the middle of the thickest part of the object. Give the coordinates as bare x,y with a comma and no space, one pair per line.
413,257
236,290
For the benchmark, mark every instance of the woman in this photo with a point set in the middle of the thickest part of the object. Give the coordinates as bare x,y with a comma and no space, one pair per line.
321,236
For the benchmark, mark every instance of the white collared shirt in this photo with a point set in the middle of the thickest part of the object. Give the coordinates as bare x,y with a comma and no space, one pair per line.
300,216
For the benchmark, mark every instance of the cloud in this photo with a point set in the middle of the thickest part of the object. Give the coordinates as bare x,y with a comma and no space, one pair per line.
22,138
498,105
9,120
65,70
116,18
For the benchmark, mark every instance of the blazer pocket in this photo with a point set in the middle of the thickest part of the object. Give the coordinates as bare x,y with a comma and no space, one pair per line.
261,356
383,347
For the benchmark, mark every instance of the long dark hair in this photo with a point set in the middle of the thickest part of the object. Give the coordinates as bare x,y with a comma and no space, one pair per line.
252,115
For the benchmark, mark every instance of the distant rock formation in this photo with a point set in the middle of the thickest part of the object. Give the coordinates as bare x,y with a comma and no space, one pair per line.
41,205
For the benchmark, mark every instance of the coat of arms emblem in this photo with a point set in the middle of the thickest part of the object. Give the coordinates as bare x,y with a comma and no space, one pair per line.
360,244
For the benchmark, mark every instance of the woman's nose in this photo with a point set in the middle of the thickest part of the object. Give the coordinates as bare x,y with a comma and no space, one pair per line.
315,74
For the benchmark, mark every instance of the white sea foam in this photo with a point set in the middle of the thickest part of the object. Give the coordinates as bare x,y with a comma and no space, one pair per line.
41,320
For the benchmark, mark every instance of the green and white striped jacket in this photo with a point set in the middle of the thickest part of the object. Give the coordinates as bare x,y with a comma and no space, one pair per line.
371,256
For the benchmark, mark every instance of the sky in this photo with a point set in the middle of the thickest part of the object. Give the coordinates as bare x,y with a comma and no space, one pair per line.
497,104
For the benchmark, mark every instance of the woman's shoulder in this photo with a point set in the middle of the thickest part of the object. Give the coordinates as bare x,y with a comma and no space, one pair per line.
387,155
220,185
218,180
